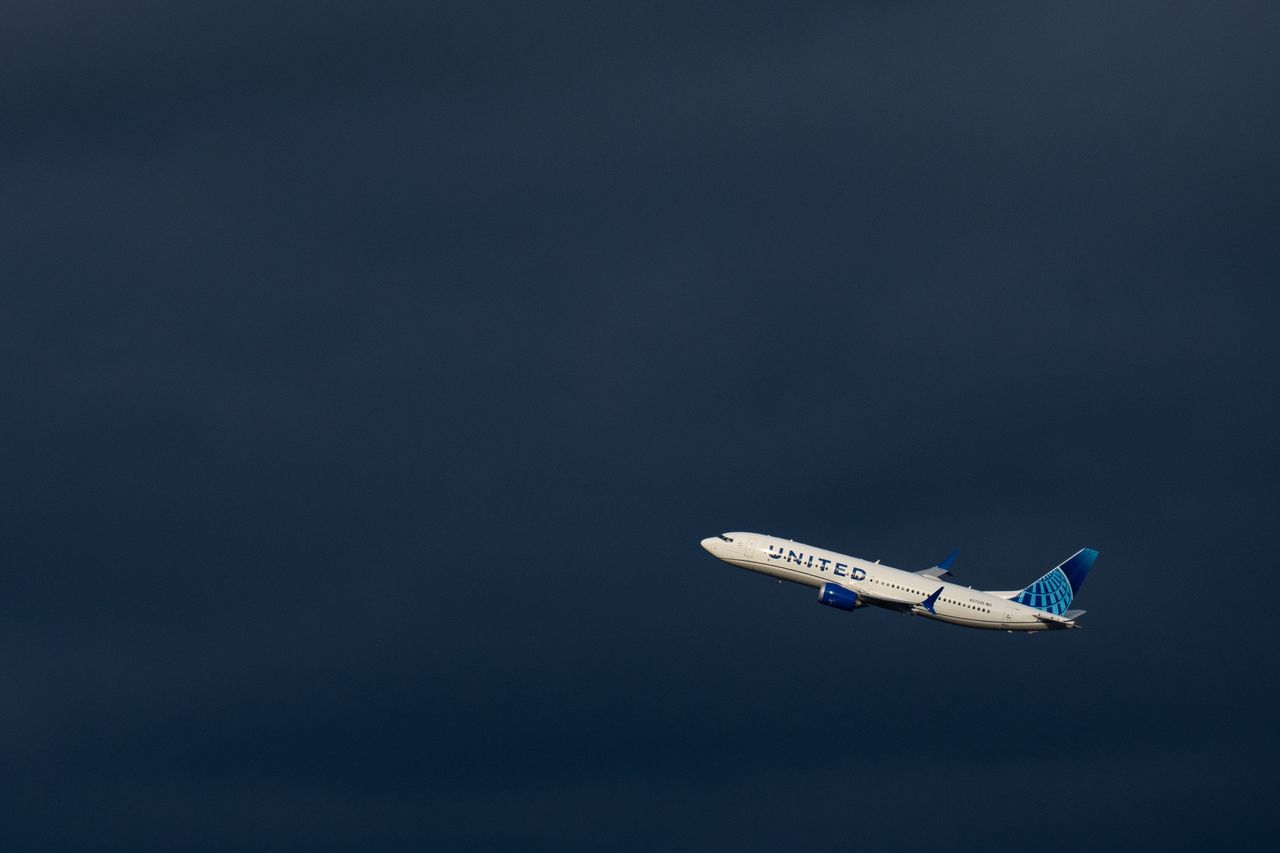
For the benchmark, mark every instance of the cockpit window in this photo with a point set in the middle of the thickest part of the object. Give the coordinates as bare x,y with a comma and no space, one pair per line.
725,538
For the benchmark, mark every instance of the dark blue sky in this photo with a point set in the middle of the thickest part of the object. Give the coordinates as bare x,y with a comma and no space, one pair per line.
373,372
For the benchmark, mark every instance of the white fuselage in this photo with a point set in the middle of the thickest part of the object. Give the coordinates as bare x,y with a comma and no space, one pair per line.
875,583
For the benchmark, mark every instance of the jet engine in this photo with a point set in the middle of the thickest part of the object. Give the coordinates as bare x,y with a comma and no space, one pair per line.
837,596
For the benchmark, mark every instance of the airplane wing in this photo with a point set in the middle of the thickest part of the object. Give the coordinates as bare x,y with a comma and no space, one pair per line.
943,568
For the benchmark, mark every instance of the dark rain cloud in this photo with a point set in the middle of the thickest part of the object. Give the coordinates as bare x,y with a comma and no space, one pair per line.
373,374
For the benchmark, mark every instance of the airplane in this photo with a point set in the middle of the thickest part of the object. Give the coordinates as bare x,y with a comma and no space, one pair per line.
849,583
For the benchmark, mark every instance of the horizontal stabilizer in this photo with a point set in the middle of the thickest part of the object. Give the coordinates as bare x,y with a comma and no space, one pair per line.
1053,620
1073,614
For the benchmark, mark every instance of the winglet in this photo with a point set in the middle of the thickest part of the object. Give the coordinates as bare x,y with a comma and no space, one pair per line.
951,558
928,603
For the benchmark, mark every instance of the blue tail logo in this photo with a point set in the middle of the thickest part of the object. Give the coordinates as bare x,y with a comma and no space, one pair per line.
1053,592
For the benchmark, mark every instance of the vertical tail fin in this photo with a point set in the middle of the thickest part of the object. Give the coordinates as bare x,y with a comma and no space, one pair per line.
1053,592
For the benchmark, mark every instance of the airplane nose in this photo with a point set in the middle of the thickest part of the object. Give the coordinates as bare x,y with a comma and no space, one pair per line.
710,544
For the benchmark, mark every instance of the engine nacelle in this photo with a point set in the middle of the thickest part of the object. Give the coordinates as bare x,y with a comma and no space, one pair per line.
837,596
